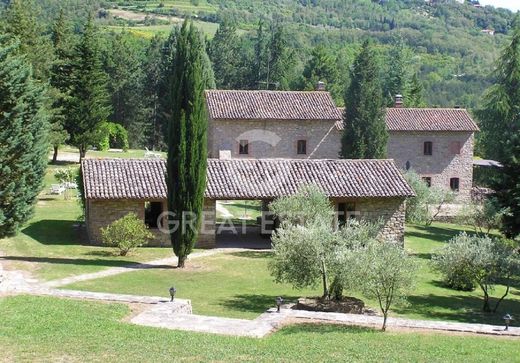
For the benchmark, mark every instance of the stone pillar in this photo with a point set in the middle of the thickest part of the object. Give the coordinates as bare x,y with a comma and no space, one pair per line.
207,234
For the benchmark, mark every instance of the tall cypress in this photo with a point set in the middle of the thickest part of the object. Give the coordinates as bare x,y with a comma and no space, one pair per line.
187,139
88,105
500,123
23,138
365,135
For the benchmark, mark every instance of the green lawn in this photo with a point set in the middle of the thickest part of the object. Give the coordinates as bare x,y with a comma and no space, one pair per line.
50,246
242,210
239,285
50,329
131,153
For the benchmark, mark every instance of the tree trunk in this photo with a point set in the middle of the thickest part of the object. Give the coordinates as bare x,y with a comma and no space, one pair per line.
182,262
486,306
55,155
385,316
324,277
501,299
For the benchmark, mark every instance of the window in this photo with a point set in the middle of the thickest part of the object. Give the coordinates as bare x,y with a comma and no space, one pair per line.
455,147
428,148
301,147
243,147
152,212
346,211
427,180
454,184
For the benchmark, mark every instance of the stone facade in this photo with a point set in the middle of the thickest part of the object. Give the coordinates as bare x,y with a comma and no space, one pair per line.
446,161
274,139
391,211
101,213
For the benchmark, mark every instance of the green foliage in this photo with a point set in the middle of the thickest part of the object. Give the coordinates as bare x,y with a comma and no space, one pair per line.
307,248
187,137
23,138
126,234
414,93
484,216
88,105
111,135
469,261
428,201
322,67
224,53
381,271
500,122
365,135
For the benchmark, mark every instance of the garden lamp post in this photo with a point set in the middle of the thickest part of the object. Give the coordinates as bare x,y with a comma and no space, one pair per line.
173,290
507,319
279,302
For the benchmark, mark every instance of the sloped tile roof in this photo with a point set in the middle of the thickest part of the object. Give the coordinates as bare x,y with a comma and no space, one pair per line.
425,119
271,105
247,178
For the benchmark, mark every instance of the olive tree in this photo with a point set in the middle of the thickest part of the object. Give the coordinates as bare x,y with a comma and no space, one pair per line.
469,261
381,271
428,201
307,247
485,216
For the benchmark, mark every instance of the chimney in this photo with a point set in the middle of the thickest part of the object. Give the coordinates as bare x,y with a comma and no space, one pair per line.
320,86
398,101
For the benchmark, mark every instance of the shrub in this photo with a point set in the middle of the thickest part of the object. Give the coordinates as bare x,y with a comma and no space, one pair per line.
469,261
126,234
112,135
483,217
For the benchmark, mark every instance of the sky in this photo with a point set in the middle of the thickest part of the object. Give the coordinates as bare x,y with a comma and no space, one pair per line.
509,4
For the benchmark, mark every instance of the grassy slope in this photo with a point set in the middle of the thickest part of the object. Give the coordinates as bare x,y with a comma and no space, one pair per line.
240,285
51,247
48,329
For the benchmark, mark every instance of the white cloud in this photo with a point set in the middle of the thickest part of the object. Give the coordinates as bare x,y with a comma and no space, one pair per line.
509,4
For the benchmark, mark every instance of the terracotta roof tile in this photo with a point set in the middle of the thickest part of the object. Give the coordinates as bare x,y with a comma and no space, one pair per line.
426,119
271,105
247,178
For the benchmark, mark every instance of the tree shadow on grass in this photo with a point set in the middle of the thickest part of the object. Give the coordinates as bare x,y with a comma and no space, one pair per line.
252,254
433,233
302,328
460,308
257,303
56,232
87,262
424,256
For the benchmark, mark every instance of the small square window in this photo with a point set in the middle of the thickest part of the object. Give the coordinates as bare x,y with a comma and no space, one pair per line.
243,147
302,147
454,184
455,147
428,148
427,180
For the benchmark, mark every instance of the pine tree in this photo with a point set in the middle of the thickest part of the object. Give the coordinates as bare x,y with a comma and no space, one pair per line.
187,139
280,59
153,74
500,123
224,54
321,67
125,85
20,21
365,135
60,81
396,73
261,56
413,96
88,106
23,138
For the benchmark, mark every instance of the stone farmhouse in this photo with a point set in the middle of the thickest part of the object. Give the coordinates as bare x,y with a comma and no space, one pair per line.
435,142
372,189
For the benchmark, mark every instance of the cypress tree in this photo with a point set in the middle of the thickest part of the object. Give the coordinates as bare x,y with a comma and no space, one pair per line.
61,81
365,135
500,123
88,105
187,139
23,138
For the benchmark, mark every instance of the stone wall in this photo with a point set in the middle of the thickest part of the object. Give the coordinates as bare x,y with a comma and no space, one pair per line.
391,211
443,164
100,213
274,139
